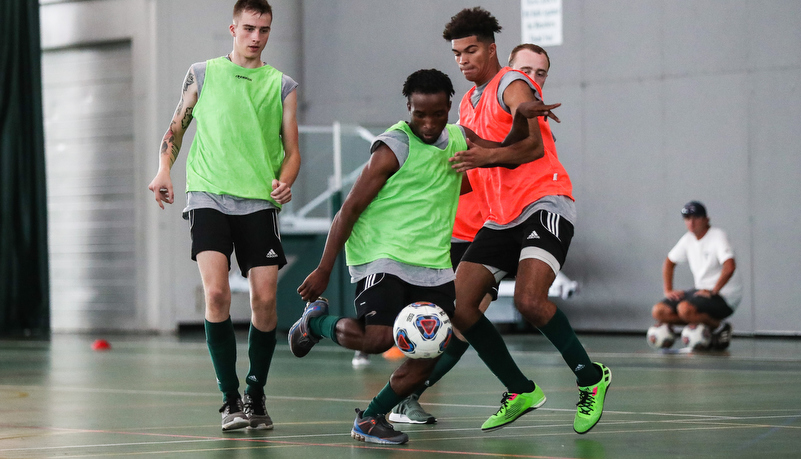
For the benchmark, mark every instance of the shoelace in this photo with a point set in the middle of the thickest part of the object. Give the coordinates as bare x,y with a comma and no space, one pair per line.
382,421
504,401
585,402
232,407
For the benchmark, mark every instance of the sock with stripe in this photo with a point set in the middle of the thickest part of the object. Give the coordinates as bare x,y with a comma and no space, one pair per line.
261,347
559,331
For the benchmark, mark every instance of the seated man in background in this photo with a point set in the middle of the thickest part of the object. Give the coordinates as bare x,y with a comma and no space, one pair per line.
718,289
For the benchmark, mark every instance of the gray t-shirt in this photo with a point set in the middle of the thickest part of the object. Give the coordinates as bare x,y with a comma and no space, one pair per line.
506,80
398,142
229,205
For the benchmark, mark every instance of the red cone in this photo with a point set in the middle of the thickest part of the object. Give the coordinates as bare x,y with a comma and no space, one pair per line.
101,345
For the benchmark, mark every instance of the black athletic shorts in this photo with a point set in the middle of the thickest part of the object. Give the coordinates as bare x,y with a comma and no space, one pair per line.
545,236
715,306
380,297
255,237
457,252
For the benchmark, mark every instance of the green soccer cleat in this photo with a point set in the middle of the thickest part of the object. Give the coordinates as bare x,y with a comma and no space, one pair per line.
512,407
590,406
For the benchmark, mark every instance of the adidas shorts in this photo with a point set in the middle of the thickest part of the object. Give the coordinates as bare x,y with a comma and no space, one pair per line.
716,307
544,236
255,237
380,297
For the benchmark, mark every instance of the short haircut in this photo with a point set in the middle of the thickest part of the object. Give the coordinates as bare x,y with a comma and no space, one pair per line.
472,21
428,81
530,47
258,6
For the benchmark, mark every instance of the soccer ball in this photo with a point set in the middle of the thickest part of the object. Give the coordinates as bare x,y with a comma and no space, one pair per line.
696,336
660,336
422,330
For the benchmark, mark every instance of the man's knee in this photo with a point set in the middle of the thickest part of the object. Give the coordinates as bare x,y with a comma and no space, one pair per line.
263,301
218,298
686,311
537,309
661,312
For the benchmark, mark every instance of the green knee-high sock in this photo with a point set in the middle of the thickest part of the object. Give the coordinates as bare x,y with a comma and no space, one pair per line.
489,344
383,402
221,342
325,327
455,350
261,346
562,336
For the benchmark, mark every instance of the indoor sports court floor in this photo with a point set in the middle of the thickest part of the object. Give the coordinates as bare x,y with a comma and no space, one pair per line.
155,396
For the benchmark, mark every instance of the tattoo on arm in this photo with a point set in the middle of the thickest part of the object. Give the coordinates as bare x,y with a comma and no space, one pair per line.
187,118
168,146
190,79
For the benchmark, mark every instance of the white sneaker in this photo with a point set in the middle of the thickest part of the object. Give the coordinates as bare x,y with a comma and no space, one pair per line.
360,359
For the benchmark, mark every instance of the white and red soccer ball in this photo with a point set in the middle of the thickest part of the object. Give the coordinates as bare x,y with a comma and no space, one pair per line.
422,330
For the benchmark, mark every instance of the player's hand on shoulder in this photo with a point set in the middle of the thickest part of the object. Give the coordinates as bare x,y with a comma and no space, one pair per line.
282,193
314,285
475,156
161,186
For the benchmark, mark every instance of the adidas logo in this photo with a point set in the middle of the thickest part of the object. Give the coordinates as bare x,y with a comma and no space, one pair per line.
272,254
579,367
253,379
533,235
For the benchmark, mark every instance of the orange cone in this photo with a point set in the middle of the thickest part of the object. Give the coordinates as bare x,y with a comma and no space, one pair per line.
393,354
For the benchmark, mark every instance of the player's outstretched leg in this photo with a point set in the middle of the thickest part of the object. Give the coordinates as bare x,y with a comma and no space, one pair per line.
590,406
376,429
300,337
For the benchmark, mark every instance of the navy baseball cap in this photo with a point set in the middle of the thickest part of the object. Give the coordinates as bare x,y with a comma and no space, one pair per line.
693,209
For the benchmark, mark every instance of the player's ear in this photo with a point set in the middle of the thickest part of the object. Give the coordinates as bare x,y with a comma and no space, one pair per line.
493,49
449,105
232,28
409,105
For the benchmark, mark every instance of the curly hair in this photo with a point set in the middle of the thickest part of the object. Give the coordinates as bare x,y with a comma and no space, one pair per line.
472,21
428,81
259,6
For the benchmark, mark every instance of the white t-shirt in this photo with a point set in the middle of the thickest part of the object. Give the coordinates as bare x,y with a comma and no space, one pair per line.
706,257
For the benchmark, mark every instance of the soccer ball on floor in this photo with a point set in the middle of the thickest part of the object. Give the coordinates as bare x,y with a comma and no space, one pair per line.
660,336
696,336
422,330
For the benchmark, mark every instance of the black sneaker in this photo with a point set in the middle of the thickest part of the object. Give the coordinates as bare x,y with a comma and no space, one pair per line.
722,338
233,416
300,337
256,411
376,430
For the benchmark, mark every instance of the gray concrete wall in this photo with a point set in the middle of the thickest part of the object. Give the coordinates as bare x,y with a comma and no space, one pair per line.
663,102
